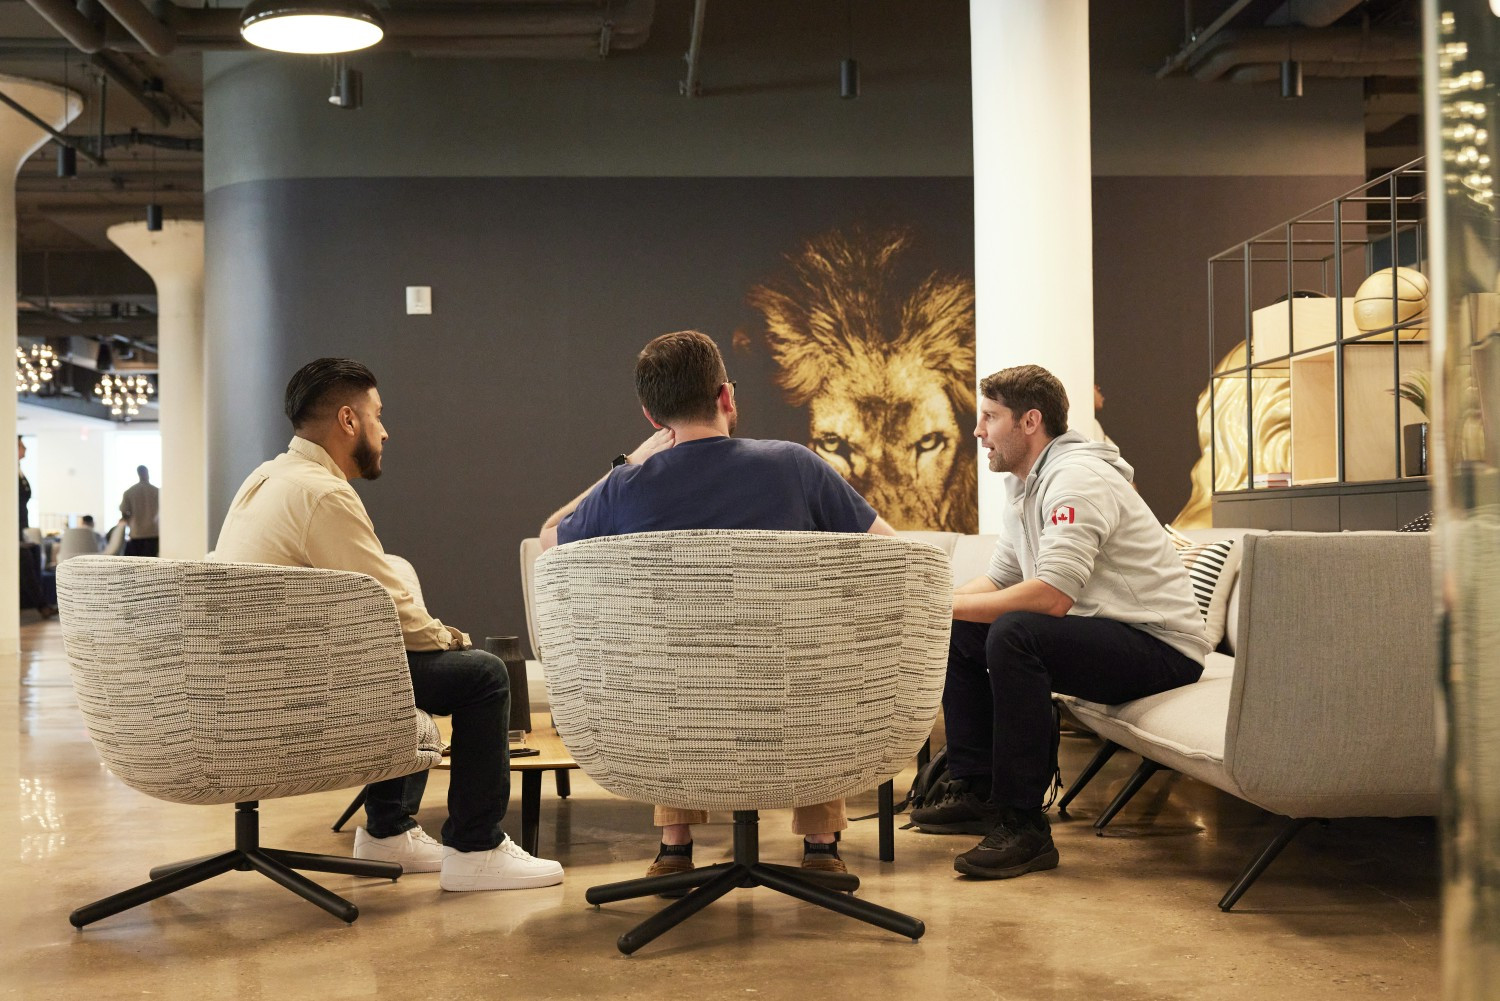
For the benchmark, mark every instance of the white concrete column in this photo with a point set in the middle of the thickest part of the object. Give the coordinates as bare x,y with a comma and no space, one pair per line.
19,139
1033,209
173,257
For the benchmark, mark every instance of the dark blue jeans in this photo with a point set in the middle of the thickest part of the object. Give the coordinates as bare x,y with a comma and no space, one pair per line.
997,702
472,687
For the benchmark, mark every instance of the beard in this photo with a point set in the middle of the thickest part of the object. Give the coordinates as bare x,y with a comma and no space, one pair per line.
367,459
734,422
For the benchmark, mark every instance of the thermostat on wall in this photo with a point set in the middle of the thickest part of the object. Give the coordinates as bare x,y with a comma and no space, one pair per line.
418,300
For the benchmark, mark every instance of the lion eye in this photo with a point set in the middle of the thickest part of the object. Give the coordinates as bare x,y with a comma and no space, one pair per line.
833,444
931,442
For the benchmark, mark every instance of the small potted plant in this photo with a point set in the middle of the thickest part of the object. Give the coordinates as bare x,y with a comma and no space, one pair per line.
1417,389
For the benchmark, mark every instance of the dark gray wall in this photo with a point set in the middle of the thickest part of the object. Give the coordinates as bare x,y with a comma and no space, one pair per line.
1152,240
563,213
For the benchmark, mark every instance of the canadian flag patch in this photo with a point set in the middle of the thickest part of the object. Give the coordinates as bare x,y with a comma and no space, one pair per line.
1062,515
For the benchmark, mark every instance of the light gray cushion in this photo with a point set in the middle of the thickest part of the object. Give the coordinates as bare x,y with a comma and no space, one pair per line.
1182,728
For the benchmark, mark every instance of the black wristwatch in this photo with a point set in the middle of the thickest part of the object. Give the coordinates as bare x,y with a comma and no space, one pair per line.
620,460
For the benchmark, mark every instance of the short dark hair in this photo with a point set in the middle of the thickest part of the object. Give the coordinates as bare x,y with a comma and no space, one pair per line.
1030,387
325,384
678,376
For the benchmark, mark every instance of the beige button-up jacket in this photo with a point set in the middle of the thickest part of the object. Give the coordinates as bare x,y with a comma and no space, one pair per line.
298,510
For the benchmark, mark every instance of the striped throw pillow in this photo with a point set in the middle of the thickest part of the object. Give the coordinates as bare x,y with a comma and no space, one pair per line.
1212,568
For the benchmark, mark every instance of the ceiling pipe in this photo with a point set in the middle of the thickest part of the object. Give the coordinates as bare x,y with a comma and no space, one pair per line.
36,120
1310,13
1196,42
130,85
85,35
1331,45
1263,72
157,38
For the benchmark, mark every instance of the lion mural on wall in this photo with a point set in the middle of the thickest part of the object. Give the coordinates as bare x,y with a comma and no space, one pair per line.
885,367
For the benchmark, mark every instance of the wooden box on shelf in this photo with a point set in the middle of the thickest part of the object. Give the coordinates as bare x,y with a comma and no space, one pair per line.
1370,432
1271,326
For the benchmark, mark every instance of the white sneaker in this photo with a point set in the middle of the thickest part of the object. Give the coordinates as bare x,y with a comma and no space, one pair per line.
414,850
506,867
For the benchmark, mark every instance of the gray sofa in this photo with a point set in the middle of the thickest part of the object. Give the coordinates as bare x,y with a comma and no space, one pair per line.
1320,702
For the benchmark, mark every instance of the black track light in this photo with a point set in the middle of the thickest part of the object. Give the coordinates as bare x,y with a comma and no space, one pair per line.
153,217
1291,78
348,88
849,78
67,161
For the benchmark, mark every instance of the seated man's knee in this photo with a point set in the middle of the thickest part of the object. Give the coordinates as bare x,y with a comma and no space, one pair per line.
1014,629
489,671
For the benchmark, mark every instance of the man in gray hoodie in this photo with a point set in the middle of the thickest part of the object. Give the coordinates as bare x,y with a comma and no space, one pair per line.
1084,595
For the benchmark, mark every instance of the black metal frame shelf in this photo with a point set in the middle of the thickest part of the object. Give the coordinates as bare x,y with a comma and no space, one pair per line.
1331,237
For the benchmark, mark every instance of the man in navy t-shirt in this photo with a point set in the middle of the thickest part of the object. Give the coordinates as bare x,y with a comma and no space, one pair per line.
692,473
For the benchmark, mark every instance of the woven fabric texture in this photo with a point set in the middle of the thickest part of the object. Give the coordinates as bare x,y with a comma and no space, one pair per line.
743,670
222,682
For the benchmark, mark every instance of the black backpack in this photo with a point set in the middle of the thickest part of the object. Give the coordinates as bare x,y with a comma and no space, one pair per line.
932,778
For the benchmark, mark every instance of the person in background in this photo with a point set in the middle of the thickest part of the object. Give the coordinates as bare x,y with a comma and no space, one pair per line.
87,521
32,594
139,509
24,484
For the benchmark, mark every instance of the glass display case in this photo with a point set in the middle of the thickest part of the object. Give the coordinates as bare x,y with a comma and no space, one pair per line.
1318,335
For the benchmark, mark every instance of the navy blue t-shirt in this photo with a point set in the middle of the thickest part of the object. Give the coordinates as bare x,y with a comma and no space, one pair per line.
721,483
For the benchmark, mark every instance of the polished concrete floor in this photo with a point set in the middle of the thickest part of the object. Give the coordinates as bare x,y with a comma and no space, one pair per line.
1348,911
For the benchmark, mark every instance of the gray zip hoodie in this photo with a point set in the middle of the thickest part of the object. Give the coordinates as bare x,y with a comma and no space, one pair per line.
1076,523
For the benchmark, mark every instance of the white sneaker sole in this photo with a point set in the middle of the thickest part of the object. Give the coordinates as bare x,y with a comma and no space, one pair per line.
480,881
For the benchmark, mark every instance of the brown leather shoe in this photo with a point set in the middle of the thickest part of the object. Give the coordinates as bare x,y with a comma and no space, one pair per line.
824,863
665,865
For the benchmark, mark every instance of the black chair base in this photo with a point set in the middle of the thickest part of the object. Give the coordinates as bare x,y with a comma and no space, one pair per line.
1263,858
247,854
1101,756
1133,785
708,884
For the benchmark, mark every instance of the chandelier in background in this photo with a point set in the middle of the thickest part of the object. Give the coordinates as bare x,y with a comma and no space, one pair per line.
124,395
34,367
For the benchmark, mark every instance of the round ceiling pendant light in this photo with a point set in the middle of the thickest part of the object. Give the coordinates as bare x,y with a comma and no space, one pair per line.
311,26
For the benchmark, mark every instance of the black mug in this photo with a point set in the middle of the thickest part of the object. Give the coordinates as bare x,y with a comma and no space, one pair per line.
508,649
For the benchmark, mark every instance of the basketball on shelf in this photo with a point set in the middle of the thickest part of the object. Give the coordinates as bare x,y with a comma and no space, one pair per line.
1372,303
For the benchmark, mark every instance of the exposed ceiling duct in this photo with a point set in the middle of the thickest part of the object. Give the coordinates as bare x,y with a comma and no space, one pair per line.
1354,48
507,28
1266,72
1311,13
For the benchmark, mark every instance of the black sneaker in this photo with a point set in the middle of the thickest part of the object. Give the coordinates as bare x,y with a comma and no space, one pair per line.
959,811
1020,842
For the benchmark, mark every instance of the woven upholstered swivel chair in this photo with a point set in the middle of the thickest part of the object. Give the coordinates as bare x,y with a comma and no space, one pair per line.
743,671
216,683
